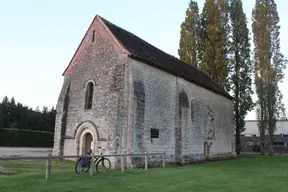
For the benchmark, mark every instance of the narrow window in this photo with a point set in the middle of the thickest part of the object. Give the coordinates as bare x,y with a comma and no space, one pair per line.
154,133
93,36
89,95
192,110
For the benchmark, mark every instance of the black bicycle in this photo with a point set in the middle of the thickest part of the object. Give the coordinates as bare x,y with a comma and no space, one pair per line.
103,164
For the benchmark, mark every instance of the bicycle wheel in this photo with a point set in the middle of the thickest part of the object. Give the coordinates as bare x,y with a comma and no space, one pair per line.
82,167
103,165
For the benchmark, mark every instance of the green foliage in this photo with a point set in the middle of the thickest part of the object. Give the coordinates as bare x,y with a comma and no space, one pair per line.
4,112
269,66
204,40
25,138
215,44
189,35
241,67
16,115
221,37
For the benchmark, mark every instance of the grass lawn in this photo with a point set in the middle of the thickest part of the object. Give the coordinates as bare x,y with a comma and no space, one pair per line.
246,174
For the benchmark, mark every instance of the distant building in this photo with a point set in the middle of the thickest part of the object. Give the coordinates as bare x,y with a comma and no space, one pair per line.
251,136
252,128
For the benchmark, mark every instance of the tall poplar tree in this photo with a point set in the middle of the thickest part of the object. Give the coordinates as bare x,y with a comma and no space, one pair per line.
241,68
269,65
215,41
202,37
189,35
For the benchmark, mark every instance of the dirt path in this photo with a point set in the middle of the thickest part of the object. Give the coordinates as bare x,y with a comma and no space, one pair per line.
22,151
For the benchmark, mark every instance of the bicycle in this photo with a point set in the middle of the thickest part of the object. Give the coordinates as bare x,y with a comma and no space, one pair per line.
84,164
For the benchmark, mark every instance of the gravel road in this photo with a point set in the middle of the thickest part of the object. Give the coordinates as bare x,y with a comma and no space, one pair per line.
22,151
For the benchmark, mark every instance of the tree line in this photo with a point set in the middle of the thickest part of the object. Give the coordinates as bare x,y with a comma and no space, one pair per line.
16,115
217,41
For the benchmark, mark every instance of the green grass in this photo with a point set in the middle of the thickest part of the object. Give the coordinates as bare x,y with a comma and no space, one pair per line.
248,173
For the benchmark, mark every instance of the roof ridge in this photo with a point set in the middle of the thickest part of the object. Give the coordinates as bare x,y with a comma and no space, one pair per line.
129,32
140,49
190,65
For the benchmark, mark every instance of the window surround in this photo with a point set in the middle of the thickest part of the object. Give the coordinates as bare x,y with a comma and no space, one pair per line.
89,94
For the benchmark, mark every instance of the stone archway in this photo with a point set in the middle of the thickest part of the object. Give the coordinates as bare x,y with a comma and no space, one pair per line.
86,138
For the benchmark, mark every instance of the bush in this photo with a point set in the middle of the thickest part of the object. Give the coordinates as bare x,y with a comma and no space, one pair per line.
256,148
25,138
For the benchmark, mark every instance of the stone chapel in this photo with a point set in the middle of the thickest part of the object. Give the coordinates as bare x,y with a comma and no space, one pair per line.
123,95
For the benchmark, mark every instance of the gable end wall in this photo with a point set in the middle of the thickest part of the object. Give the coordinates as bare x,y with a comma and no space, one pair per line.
103,63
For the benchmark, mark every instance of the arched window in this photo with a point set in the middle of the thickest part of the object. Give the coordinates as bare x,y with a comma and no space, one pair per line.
183,99
89,95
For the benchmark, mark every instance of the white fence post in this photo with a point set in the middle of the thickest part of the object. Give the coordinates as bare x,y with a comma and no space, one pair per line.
48,167
146,161
92,164
122,163
163,165
125,158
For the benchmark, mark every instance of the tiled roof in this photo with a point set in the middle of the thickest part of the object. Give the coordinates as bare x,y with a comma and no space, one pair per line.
147,53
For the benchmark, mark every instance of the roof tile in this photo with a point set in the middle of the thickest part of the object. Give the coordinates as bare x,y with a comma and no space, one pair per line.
141,50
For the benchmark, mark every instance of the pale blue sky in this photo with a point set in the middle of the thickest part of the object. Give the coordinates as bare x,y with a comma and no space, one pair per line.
38,38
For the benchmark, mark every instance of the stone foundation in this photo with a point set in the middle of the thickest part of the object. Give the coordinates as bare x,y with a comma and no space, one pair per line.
157,161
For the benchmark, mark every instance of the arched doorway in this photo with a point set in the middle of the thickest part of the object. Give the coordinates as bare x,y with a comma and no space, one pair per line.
85,133
206,150
87,143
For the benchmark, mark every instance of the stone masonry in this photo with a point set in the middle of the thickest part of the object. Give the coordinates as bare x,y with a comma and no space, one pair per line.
99,62
186,115
129,99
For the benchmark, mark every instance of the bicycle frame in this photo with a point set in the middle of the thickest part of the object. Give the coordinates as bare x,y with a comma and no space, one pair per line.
96,161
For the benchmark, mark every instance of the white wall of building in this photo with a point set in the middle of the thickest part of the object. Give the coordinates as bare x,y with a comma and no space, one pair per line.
252,127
